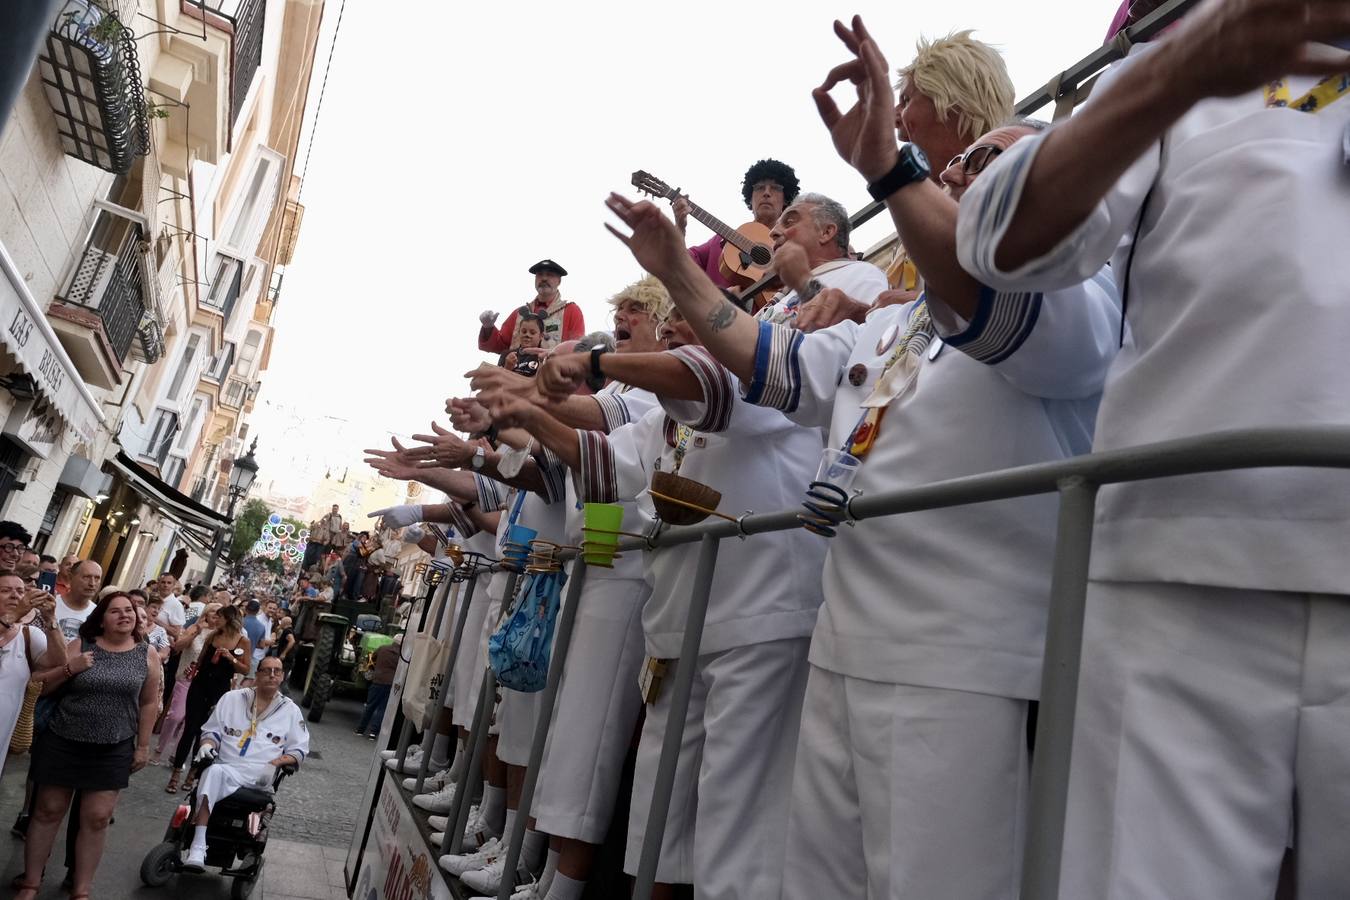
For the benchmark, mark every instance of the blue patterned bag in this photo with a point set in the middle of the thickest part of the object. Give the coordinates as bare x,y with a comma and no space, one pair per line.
520,649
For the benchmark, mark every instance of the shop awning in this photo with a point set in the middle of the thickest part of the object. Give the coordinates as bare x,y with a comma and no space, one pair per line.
168,500
26,336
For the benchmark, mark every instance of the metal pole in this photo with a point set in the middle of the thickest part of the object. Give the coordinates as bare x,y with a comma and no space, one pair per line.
428,713
679,707
1059,691
562,642
458,816
220,540
405,735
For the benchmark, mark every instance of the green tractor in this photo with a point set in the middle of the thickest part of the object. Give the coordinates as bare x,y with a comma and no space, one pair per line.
339,658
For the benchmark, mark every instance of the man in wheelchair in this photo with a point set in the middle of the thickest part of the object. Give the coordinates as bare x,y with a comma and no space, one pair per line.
252,733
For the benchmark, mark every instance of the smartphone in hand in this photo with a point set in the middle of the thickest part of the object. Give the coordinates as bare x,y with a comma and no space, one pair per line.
47,582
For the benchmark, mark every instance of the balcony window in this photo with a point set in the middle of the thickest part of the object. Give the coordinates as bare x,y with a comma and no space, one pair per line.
236,392
184,366
92,80
226,285
109,280
161,437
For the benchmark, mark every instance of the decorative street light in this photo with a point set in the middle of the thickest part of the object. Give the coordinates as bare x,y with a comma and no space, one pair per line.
242,473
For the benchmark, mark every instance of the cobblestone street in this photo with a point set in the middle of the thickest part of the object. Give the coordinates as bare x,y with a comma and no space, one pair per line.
316,812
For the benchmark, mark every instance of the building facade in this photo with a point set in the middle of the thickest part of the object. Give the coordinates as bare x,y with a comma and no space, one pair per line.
146,216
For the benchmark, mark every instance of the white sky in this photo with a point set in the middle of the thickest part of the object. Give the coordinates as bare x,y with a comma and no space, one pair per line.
460,143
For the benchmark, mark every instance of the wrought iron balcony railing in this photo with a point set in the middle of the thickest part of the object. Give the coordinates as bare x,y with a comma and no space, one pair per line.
90,73
235,393
110,280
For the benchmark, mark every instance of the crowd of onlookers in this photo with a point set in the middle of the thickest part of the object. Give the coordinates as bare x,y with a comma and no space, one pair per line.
90,673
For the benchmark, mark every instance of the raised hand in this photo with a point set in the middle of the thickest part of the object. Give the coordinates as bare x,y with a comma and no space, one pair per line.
443,449
1229,47
510,411
495,378
865,135
80,662
398,516
562,374
791,264
681,209
655,242
467,415
393,463
830,307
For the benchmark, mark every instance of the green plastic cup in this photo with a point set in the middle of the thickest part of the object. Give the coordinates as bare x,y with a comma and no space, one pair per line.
600,532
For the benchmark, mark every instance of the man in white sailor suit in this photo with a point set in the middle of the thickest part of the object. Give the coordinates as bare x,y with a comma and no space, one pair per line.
724,832
912,761
1213,725
251,732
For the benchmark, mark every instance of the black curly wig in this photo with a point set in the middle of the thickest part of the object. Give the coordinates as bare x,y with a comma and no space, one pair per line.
770,170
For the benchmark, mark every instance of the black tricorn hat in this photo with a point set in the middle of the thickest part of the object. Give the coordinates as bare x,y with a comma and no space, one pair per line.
547,265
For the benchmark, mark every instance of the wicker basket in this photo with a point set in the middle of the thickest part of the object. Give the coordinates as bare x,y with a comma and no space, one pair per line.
22,740
701,500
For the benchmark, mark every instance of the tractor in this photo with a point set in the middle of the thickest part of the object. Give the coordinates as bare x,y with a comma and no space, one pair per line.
339,658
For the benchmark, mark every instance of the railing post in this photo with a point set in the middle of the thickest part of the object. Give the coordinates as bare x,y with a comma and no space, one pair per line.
458,816
456,641
1059,691
434,705
405,733
562,641
655,832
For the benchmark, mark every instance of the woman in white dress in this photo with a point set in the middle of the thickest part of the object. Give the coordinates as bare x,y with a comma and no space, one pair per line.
24,649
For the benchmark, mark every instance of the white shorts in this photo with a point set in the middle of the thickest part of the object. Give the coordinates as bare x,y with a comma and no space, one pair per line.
906,793
468,676
517,715
596,712
734,773
1202,711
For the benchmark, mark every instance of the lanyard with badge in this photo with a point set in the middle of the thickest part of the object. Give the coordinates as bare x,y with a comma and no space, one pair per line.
247,737
1314,100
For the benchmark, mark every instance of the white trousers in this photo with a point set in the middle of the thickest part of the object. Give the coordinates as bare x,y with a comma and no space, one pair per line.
468,677
1202,713
220,780
724,832
517,716
906,792
596,712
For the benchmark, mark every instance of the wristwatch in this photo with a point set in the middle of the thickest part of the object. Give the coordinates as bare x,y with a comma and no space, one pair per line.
813,287
911,167
478,459
597,379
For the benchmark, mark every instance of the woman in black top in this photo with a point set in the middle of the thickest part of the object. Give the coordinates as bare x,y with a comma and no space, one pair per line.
99,735
227,653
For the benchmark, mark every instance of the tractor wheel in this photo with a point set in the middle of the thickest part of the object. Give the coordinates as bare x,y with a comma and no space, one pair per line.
323,691
320,660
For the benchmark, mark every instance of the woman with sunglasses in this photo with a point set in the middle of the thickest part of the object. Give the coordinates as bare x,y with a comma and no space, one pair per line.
99,735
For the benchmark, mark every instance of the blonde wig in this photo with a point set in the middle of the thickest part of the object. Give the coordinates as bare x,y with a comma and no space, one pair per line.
963,76
649,294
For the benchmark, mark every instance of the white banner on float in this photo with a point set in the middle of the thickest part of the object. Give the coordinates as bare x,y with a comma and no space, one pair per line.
398,864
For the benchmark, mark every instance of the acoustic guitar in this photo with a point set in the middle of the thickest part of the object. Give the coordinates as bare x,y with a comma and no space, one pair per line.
748,249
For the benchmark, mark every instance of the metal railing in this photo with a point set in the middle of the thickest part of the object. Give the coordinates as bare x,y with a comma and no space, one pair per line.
1076,480
245,53
109,279
235,393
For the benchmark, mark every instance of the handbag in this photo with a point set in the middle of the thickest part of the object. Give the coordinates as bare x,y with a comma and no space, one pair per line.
520,649
423,685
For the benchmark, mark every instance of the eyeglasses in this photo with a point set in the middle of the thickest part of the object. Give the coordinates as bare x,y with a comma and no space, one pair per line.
12,547
975,160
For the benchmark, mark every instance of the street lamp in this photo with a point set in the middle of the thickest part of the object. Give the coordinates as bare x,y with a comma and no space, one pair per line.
242,473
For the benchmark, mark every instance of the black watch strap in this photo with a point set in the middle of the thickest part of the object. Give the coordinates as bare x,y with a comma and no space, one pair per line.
911,166
597,379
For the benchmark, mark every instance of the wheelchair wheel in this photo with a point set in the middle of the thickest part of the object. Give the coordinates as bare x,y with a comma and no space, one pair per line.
323,690
160,864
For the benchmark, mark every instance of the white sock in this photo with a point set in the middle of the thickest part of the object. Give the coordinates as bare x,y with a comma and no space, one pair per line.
494,808
550,869
440,753
564,888
533,850
199,837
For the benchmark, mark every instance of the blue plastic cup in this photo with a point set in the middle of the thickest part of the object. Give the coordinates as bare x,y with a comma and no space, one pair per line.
517,547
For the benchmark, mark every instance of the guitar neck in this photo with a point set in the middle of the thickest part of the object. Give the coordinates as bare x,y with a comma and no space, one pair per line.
720,228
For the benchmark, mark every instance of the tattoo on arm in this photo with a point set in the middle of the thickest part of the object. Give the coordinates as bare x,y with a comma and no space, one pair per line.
721,318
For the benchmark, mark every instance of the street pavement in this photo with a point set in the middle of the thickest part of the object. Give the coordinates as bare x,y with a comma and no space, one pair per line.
316,814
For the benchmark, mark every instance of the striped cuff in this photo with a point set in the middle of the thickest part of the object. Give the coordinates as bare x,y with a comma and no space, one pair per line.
597,479
718,395
491,494
777,383
614,410
461,522
554,475
1001,324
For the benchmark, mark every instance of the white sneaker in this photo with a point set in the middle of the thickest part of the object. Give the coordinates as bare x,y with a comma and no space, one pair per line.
488,880
528,892
438,801
388,754
458,864
432,783
437,838
411,763
441,823
195,860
